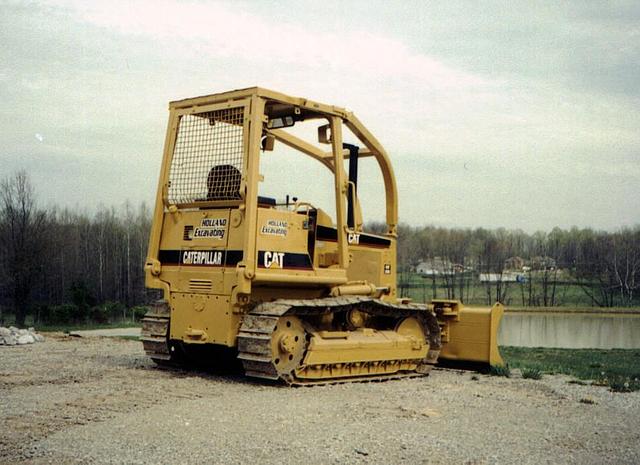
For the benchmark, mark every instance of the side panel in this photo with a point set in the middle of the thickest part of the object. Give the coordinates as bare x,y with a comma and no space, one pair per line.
375,265
282,241
372,258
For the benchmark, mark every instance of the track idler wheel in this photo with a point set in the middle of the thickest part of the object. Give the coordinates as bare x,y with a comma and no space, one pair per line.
288,345
412,328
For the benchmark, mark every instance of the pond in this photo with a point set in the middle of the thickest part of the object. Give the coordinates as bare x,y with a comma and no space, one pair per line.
570,330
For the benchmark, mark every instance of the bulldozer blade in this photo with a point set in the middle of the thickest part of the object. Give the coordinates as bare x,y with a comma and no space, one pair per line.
470,339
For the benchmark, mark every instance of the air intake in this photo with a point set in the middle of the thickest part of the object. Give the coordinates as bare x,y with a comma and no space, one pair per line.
200,285
188,233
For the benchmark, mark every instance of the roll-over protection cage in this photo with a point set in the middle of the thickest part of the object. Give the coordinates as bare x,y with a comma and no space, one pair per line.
212,157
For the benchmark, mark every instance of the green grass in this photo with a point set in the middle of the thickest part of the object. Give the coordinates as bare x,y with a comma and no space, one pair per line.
618,369
79,327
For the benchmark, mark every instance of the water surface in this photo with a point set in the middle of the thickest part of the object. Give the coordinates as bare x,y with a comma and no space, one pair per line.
570,330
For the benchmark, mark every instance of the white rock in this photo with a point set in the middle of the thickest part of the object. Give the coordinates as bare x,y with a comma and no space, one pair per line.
12,336
25,339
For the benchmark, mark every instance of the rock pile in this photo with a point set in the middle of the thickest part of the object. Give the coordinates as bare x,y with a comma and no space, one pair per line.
12,336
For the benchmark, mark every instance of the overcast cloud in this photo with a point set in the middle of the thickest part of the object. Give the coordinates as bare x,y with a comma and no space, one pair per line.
520,115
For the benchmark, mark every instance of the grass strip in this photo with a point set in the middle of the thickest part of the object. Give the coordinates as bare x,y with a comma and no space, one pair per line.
618,369
87,326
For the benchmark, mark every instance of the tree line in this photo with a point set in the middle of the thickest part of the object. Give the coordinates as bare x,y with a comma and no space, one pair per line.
603,266
63,264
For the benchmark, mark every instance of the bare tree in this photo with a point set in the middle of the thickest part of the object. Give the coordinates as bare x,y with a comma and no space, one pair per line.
22,234
625,264
496,248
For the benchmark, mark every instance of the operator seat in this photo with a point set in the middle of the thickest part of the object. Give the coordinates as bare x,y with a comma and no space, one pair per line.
223,183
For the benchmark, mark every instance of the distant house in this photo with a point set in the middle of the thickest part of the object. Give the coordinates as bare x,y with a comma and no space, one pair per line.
514,263
438,266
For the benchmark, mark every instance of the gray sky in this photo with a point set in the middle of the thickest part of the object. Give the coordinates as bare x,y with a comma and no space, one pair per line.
507,114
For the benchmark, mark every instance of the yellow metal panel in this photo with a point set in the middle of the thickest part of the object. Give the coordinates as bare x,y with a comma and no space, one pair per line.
282,231
363,346
474,336
208,229
200,319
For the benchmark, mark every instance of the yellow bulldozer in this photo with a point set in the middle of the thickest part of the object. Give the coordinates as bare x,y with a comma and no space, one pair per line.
290,292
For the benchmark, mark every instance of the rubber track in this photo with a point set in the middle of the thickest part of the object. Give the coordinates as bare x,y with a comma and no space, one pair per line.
254,338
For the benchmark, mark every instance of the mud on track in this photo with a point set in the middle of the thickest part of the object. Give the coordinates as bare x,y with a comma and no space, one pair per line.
99,400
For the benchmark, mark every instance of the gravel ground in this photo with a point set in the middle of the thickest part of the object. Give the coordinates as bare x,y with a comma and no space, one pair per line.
100,401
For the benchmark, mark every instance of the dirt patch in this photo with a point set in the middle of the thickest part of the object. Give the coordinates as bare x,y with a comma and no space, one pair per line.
99,400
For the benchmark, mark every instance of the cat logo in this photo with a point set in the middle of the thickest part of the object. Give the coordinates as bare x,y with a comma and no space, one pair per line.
353,238
273,259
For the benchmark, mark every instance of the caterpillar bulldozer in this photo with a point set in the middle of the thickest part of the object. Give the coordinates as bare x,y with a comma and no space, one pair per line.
277,284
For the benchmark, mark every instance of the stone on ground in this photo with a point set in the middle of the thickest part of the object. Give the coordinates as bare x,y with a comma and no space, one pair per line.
12,336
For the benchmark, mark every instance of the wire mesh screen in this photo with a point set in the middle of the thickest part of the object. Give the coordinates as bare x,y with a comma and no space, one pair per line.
208,157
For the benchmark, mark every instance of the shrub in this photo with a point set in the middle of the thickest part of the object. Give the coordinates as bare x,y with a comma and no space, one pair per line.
115,310
139,312
500,370
99,314
531,373
624,384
